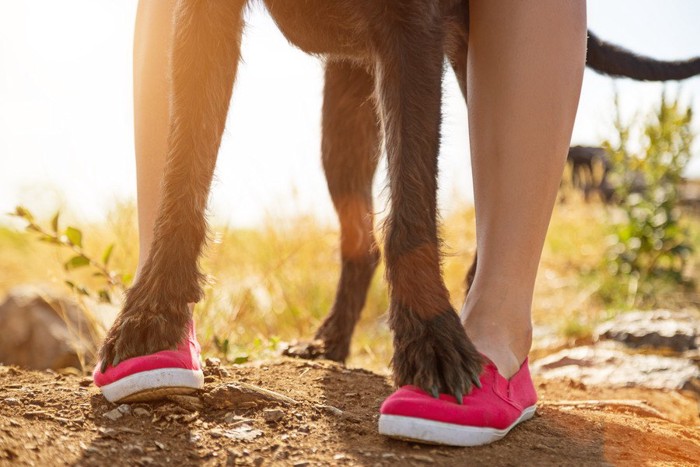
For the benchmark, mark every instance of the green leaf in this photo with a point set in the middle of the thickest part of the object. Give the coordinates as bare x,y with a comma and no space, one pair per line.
127,278
75,236
77,288
104,296
240,359
54,222
76,262
107,254
221,345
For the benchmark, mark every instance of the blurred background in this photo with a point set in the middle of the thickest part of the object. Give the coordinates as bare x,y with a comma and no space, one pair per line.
66,125
66,144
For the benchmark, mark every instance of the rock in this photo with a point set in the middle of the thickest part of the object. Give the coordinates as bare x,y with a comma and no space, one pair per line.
234,419
242,433
594,365
11,401
273,415
85,382
114,414
663,329
243,396
189,403
41,329
212,362
124,409
141,412
135,449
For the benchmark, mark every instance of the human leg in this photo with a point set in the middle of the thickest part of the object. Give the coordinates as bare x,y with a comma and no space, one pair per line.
152,40
525,67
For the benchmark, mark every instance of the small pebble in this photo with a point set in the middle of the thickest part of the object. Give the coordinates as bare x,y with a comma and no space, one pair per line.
141,412
273,415
113,415
212,362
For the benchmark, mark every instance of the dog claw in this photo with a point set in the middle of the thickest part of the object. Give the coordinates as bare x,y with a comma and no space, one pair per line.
434,392
476,381
103,366
116,361
458,396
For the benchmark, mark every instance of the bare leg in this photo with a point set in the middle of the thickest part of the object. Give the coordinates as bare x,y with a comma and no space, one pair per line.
152,40
525,66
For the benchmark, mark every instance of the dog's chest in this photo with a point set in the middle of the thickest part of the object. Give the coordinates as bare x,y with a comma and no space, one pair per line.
324,27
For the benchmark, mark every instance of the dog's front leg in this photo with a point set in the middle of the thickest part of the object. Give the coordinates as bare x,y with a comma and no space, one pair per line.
206,48
431,348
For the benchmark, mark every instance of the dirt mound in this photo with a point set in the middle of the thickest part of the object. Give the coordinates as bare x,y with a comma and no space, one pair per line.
322,414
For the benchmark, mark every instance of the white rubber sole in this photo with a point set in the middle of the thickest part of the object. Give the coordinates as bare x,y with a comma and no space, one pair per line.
429,431
153,384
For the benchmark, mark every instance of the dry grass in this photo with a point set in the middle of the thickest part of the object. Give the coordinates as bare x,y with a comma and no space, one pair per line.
276,283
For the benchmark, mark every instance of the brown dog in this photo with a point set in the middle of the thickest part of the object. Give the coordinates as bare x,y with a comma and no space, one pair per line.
401,45
351,144
391,51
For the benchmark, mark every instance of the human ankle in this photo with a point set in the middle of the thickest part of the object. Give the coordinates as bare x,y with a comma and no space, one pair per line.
504,335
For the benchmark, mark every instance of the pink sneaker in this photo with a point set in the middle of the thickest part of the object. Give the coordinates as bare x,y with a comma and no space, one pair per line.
487,414
154,376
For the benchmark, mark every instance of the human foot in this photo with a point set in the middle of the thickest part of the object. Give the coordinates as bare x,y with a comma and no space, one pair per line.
486,414
153,376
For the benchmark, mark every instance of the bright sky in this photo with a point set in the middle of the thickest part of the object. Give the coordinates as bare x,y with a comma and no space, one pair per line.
66,134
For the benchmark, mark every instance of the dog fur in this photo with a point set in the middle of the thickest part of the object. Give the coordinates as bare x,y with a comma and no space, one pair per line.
401,44
383,73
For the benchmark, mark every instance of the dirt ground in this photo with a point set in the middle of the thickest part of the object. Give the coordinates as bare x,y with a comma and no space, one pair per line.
328,417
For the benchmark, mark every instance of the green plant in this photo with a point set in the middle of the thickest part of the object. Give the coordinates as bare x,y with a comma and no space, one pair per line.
649,244
71,238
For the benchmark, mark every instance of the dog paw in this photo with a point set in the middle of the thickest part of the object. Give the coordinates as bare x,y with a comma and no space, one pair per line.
142,328
316,349
308,350
435,355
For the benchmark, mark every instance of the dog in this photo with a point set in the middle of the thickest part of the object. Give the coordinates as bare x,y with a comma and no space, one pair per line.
401,45
350,145
387,52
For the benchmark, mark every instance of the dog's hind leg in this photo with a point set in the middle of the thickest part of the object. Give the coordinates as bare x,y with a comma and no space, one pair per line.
457,47
205,53
431,349
350,151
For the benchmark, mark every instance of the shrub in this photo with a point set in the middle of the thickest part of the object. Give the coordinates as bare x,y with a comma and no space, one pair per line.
649,245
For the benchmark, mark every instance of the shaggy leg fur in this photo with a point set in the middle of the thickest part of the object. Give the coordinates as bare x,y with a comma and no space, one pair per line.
409,92
205,56
350,150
